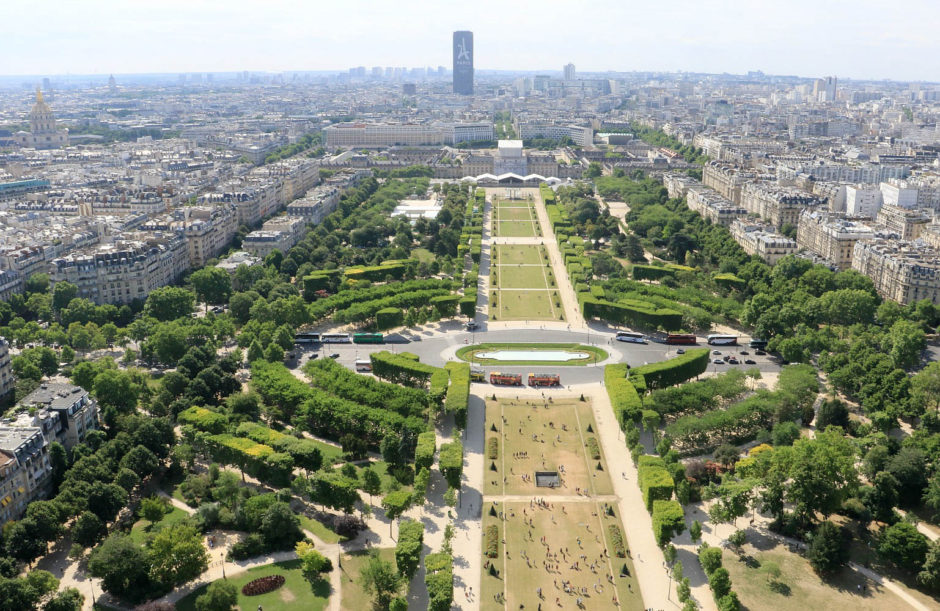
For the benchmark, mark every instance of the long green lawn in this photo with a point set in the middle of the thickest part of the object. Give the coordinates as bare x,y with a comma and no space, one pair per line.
296,593
522,254
515,229
526,305
516,214
522,276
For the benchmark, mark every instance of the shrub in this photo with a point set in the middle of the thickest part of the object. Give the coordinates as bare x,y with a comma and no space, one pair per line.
655,481
492,541
492,448
424,450
623,395
593,449
263,585
674,371
709,558
616,539
668,520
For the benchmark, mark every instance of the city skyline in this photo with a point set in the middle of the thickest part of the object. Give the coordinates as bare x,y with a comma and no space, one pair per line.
864,44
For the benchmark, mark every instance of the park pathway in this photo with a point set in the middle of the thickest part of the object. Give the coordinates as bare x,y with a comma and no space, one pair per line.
569,298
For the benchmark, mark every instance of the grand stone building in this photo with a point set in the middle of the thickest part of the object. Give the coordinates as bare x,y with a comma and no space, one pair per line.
42,132
901,271
831,235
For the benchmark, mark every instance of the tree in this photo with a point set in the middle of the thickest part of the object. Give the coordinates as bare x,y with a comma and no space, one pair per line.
371,482
594,170
695,531
280,527
832,412
21,541
396,503
905,341
380,580
122,566
313,563
903,545
212,284
152,509
116,389
726,455
37,283
69,599
255,351
62,294
929,575
221,595
881,498
909,467
709,558
719,582
827,551
169,303
88,529
177,555
822,472
925,387
932,494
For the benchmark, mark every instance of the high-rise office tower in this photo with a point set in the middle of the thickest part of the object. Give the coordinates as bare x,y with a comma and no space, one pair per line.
463,63
569,72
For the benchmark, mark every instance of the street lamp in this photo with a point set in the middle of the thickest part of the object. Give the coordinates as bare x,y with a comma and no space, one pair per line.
223,565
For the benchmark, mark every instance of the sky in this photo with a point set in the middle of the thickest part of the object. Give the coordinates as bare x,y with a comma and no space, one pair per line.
861,39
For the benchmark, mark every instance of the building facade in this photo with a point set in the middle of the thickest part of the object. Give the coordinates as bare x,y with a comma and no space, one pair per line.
463,63
831,236
760,240
42,132
901,271
908,224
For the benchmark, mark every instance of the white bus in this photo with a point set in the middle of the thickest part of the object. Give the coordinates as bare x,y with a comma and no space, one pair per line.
716,339
363,365
630,336
335,338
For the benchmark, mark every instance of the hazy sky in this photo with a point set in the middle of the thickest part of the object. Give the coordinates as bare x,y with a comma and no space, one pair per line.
894,39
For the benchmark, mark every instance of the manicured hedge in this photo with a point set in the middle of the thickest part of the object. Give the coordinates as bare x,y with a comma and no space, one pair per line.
344,299
424,451
408,547
674,371
624,399
366,310
655,482
406,369
376,273
593,449
255,459
439,580
331,417
389,318
446,305
458,392
631,313
616,540
492,541
730,281
337,380
492,448
320,280
468,305
450,460
203,419
651,272
668,521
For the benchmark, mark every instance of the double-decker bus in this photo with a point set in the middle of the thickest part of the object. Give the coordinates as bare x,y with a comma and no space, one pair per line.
364,365
307,338
630,336
680,338
506,379
368,338
544,379
716,339
335,338
758,344
477,375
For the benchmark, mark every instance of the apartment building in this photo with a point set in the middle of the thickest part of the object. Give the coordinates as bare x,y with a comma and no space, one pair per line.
404,134
579,134
7,382
678,184
831,236
778,205
931,235
726,179
710,205
208,230
901,271
11,282
316,204
72,410
125,270
909,224
280,233
761,240
24,466
863,200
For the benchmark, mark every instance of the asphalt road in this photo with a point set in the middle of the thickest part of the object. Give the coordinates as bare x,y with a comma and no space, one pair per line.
437,346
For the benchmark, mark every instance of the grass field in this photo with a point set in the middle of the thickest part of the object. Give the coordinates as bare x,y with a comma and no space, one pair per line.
519,254
515,229
523,276
526,305
296,593
578,524
555,430
515,219
353,596
143,529
469,353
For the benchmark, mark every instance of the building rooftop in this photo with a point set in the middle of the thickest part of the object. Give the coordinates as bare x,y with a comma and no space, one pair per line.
55,395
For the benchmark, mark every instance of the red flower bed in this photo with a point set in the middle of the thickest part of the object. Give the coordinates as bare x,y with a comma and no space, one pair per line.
263,585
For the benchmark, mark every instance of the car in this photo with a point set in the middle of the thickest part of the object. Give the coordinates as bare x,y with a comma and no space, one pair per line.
471,326
335,355
718,362
759,352
750,362
680,351
744,352
716,352
314,356
732,361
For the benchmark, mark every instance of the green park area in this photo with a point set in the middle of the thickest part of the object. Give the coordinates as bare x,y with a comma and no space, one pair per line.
353,594
296,593
524,287
584,549
519,254
472,353
515,219
516,304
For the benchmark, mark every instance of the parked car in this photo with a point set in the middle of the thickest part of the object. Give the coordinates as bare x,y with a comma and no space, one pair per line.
718,362
716,352
471,326
732,361
680,351
335,355
750,362
744,352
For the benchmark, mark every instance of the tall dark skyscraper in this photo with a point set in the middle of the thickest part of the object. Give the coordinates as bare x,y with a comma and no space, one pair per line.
463,63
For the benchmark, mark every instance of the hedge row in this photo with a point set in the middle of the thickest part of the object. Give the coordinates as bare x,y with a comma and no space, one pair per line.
332,417
257,460
655,482
492,541
623,395
616,540
376,273
408,547
321,280
367,310
405,368
322,308
340,381
668,521
389,318
593,449
674,371
439,580
424,451
203,419
306,453
458,392
450,461
630,313
492,448
655,272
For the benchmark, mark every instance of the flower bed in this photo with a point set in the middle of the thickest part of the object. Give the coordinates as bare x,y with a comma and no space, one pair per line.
263,585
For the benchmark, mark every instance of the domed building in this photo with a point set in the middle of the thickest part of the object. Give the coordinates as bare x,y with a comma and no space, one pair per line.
42,132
